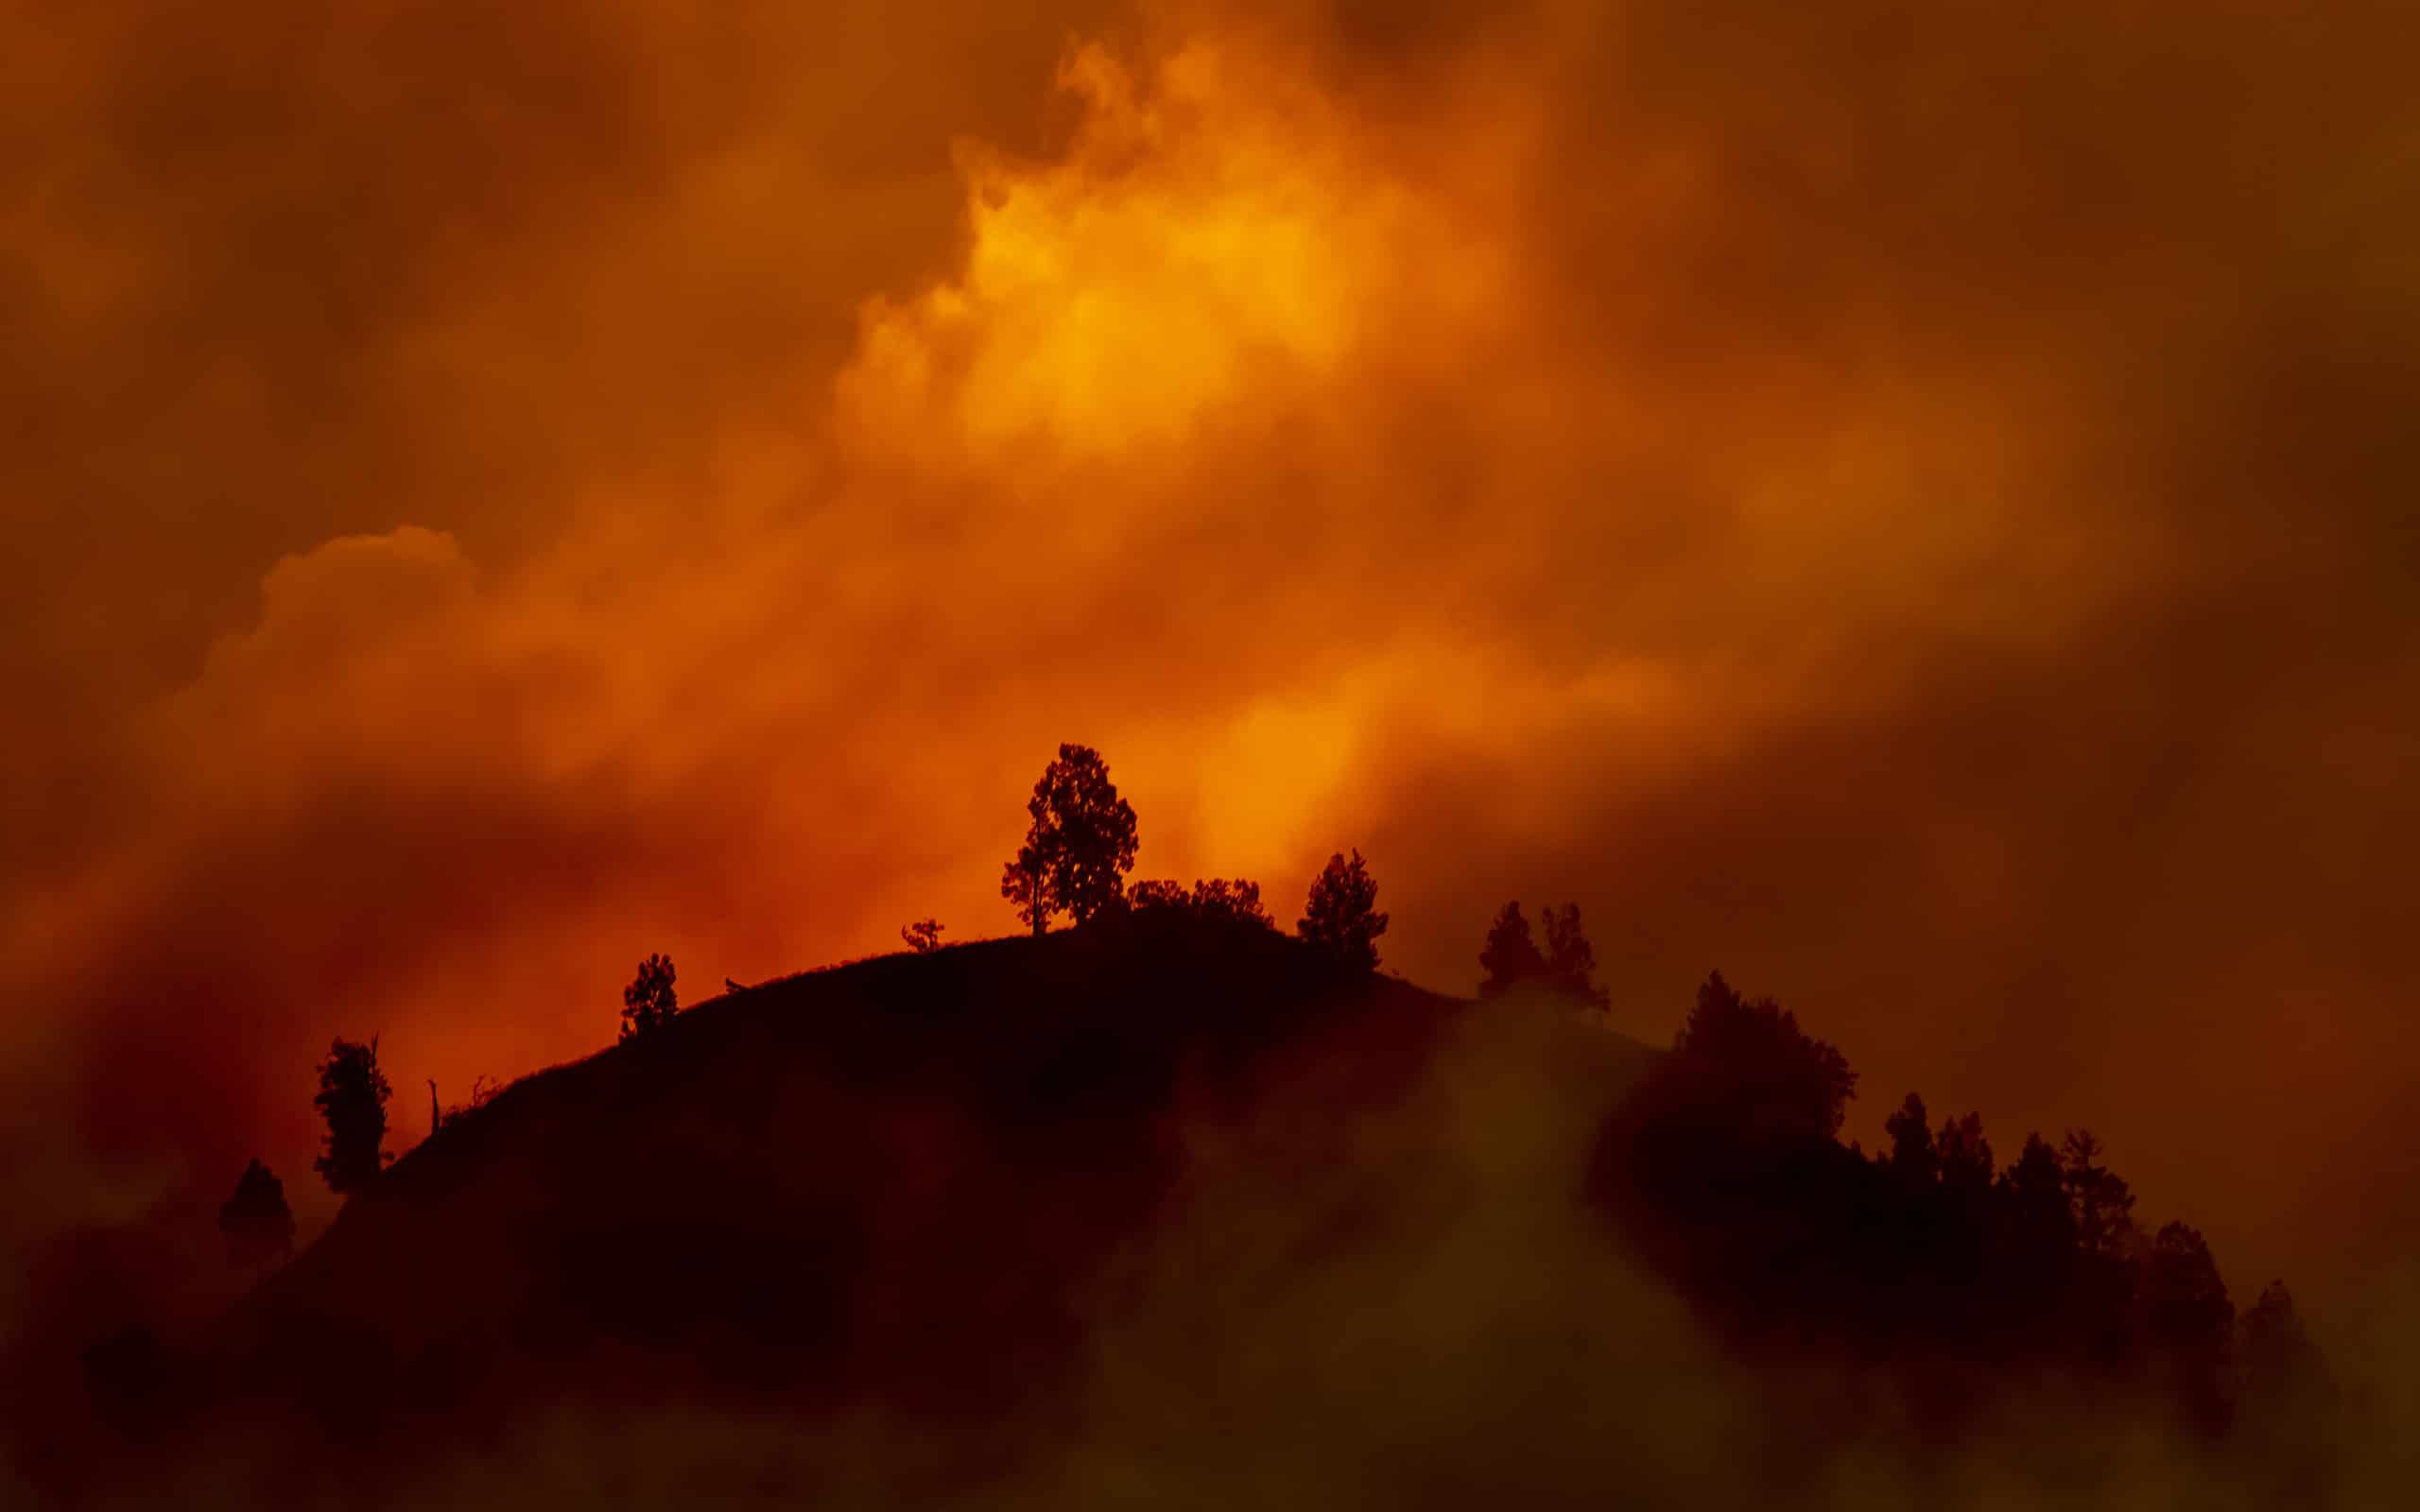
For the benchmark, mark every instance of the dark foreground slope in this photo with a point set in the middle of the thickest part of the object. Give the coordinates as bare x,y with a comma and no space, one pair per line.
894,1183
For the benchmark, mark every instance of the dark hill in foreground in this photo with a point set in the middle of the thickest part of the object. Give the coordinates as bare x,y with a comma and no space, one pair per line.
887,1183
1172,1212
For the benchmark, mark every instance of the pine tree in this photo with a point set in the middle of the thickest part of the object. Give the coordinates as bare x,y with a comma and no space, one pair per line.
1571,961
651,1001
352,1099
1339,918
1510,956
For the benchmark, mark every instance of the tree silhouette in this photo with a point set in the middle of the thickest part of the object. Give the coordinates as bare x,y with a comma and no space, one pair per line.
1025,884
650,1001
2274,1355
2036,1188
1339,917
1571,961
258,1225
924,937
1510,956
1079,845
2098,1197
2190,1321
1913,1161
1753,1055
1965,1155
352,1099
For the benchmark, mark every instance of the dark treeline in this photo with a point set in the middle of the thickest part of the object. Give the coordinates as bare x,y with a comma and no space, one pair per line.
1929,1257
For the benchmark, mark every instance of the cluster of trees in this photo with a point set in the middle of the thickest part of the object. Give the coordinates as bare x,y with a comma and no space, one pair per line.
1512,959
1726,1166
1079,843
256,1220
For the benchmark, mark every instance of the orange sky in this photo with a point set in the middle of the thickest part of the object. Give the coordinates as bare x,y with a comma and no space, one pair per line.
1913,506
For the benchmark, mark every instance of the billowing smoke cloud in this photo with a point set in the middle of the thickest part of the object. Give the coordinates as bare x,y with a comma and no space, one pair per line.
1911,507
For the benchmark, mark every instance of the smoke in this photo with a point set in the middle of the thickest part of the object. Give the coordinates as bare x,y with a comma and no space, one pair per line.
1908,506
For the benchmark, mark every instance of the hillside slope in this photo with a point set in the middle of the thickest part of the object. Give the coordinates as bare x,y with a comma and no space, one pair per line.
892,1183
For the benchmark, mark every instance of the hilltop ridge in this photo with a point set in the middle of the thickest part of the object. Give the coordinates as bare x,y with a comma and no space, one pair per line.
890,1179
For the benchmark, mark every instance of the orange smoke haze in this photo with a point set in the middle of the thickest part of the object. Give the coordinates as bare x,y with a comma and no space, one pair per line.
1911,506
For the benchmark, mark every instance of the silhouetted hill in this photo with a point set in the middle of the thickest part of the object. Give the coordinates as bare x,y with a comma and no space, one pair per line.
1169,1204
888,1183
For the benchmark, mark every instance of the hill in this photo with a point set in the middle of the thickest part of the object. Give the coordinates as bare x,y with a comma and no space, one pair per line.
1172,1208
896,1183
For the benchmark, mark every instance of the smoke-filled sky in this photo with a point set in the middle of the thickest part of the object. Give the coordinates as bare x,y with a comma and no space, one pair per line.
1915,505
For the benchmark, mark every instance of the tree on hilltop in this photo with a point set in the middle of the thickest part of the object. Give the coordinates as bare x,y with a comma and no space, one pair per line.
1077,848
1571,961
1510,956
1751,1055
1339,917
651,1001
352,1099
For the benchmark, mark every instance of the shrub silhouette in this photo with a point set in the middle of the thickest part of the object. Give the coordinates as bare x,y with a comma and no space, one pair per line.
651,1001
924,937
1339,917
1231,899
258,1225
1156,893
1077,848
352,1100
483,1091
